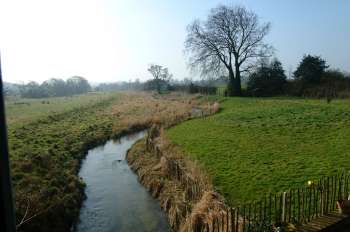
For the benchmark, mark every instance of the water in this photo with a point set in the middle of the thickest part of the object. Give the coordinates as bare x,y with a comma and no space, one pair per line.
116,201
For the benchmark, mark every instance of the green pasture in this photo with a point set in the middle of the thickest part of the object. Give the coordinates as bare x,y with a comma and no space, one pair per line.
24,110
256,146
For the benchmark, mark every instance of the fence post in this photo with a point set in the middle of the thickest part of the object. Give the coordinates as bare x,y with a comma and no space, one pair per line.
284,207
322,200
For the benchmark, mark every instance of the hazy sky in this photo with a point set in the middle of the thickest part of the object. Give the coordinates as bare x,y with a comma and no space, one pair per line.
113,40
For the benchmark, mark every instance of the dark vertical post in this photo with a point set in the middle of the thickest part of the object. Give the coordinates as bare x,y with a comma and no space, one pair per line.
233,215
310,201
327,194
347,185
280,211
290,205
228,211
264,218
270,209
340,195
315,191
244,218
254,217
299,205
275,211
331,194
302,192
261,217
249,217
237,220
324,195
7,213
213,225
334,192
318,200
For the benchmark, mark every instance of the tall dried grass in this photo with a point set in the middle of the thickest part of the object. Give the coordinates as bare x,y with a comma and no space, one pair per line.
178,182
168,110
183,188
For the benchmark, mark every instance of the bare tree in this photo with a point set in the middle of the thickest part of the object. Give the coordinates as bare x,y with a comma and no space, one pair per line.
160,75
229,41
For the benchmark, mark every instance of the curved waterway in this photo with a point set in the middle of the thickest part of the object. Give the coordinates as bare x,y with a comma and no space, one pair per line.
116,201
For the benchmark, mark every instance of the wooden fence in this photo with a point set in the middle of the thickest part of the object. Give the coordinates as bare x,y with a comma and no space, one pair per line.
296,206
221,91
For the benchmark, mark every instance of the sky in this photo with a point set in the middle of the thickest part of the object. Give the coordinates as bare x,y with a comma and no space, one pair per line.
115,40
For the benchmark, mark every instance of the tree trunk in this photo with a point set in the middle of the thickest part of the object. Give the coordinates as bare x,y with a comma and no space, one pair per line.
237,85
158,86
231,83
234,85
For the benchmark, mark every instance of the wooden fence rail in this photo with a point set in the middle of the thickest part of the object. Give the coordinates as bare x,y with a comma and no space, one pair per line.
295,206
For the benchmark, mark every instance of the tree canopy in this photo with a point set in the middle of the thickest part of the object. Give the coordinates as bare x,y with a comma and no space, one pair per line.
55,87
228,41
310,69
161,77
268,80
77,85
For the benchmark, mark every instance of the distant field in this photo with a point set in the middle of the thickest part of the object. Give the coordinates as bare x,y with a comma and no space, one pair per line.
21,110
256,146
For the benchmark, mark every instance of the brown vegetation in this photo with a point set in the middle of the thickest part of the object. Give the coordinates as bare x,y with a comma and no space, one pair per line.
184,190
46,152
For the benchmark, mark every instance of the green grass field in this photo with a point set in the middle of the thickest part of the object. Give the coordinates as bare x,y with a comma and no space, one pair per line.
256,146
22,110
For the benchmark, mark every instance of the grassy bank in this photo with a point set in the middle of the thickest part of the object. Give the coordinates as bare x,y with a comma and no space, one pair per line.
46,146
256,146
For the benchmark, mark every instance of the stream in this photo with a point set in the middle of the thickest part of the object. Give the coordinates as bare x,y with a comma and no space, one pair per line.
116,201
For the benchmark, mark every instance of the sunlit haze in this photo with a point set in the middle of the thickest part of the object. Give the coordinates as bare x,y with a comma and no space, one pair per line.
111,40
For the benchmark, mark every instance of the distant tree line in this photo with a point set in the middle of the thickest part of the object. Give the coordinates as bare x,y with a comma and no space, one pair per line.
137,85
312,78
123,85
53,87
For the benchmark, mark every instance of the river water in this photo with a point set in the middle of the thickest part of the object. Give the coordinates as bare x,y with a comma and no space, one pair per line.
116,201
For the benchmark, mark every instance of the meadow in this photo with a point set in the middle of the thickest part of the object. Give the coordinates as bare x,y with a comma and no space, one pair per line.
253,146
24,110
49,137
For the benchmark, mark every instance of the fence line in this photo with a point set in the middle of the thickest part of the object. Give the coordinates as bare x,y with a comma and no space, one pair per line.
295,206
220,91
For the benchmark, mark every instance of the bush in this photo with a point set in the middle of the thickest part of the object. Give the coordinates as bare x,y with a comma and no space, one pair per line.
208,90
332,84
267,80
310,70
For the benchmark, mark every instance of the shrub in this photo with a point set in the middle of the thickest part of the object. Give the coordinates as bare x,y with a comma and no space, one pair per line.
267,80
310,70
